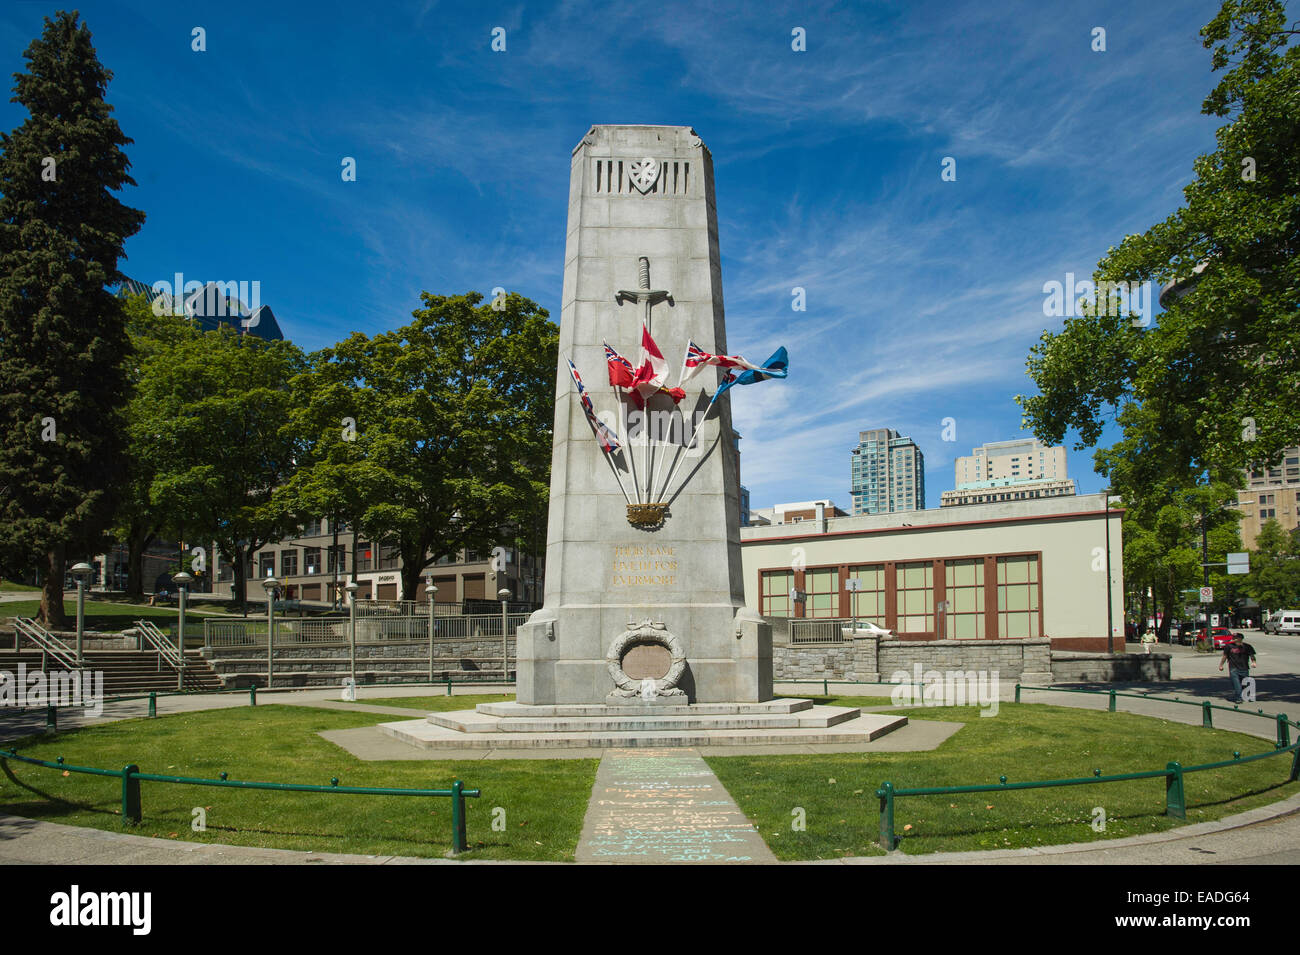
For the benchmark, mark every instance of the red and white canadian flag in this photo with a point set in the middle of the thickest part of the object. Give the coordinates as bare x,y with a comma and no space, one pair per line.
651,372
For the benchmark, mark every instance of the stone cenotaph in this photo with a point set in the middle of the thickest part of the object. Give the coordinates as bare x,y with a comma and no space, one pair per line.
643,639
644,599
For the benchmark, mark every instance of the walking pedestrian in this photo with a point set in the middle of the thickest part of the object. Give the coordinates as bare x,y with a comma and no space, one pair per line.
1240,657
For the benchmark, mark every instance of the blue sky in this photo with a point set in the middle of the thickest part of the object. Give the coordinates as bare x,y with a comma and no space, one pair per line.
923,296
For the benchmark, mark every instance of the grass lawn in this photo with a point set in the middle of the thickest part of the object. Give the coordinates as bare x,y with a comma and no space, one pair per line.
544,800
106,616
1024,741
10,587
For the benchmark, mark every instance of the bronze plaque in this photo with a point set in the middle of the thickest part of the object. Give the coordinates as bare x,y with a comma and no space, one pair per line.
647,661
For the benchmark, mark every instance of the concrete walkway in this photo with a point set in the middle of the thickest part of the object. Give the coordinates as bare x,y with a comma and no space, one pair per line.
664,807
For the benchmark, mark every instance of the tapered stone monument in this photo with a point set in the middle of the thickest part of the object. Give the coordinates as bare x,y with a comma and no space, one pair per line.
644,639
644,601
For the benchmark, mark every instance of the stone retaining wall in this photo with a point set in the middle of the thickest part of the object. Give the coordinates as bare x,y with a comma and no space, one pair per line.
870,658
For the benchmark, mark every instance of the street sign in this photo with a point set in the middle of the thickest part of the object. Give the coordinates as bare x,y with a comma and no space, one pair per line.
1207,595
1239,563
853,584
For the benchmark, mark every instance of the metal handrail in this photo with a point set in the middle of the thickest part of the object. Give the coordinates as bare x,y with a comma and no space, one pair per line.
158,641
48,642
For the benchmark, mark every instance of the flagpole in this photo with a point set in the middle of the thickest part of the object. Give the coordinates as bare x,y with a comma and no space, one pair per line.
627,433
695,436
609,459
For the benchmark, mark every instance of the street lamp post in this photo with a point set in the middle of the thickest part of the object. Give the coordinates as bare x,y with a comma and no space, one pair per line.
432,592
271,585
82,572
504,594
182,581
352,587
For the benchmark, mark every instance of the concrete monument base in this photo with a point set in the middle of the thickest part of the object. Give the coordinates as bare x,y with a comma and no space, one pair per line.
595,726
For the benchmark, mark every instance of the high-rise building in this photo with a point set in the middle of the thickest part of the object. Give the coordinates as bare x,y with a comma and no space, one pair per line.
888,473
1271,494
1009,471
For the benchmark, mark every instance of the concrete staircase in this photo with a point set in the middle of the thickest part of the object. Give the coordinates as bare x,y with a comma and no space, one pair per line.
522,726
127,672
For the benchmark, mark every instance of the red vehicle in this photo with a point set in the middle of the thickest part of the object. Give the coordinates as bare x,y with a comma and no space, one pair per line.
1221,636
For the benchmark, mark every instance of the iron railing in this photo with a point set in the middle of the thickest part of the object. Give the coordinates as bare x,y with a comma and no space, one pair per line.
252,631
818,632
131,778
1173,773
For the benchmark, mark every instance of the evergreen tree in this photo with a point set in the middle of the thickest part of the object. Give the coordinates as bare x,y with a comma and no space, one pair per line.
62,337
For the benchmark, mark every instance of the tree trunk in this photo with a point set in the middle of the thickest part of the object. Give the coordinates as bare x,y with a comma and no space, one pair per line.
137,542
412,566
239,588
52,593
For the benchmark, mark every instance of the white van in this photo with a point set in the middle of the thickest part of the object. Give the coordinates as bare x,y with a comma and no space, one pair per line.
1288,621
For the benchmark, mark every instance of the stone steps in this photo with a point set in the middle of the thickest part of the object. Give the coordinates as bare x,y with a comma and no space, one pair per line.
747,725
513,709
475,722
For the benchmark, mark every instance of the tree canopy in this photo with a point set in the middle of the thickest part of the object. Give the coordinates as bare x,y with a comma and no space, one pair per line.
1215,384
63,343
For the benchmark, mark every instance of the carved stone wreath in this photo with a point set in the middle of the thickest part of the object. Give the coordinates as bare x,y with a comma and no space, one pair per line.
651,632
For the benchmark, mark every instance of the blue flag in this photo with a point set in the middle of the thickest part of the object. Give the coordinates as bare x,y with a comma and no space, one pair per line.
775,367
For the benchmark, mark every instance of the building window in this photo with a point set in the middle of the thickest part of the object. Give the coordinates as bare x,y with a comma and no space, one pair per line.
869,603
288,563
915,596
822,587
390,557
1018,597
313,528
964,580
338,562
777,585
311,560
266,565
365,556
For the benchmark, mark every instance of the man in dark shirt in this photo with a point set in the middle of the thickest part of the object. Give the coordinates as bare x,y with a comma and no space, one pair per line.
1240,657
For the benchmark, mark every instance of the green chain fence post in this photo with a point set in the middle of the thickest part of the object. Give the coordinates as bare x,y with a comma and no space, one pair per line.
51,718
1295,766
153,705
1175,797
1207,715
1283,731
1112,701
886,794
131,795
449,686
458,843
252,694
1017,692
826,688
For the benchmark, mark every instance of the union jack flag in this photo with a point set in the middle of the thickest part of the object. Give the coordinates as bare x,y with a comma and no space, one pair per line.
697,358
604,434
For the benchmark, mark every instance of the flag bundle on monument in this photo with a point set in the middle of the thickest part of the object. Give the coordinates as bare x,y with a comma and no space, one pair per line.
775,367
697,358
608,440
